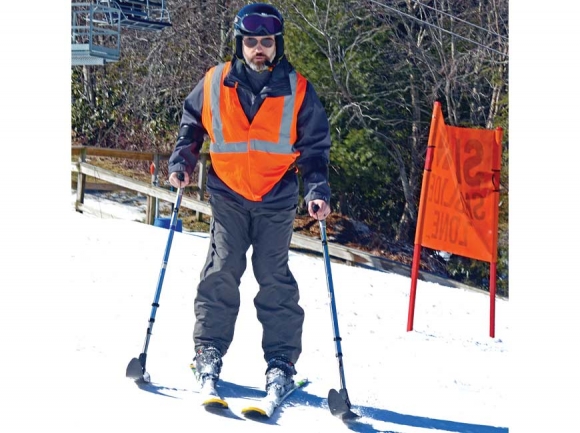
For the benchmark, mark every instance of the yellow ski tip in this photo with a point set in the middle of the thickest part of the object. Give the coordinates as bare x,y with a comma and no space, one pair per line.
215,402
252,409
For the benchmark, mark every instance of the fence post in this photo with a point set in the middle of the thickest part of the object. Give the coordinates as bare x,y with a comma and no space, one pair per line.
156,181
81,180
150,211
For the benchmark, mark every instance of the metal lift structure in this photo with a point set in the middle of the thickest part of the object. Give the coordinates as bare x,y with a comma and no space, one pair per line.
96,27
140,14
94,39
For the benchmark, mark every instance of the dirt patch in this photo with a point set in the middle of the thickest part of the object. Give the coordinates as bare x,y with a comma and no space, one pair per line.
344,231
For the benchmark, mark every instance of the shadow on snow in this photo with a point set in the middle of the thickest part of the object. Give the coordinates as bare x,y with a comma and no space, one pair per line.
303,398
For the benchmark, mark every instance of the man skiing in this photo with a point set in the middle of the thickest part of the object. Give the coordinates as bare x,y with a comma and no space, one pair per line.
265,123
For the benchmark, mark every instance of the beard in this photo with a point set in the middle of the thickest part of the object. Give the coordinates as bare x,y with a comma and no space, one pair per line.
258,67
260,64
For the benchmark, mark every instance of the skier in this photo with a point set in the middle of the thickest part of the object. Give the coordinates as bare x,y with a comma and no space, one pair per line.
265,124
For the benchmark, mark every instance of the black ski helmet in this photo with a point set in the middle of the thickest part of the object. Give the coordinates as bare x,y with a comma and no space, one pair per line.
259,19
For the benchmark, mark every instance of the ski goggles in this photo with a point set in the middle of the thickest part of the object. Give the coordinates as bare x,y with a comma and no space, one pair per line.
252,42
255,23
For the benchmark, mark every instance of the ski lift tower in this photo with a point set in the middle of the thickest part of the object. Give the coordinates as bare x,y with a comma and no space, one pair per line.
96,26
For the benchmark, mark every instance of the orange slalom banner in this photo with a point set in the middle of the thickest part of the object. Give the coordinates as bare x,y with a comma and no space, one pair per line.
459,204
460,214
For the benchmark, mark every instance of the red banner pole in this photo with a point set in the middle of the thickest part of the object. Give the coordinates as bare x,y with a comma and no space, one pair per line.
496,171
492,290
436,117
414,276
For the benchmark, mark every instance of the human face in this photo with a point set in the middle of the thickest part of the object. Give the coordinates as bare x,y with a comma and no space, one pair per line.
257,56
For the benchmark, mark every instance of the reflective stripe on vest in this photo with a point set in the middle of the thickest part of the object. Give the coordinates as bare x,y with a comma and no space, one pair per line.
250,158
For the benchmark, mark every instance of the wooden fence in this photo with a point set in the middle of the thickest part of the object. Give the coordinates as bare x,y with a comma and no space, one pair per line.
154,193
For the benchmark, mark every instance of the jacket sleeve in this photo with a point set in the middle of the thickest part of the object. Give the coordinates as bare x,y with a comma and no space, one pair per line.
191,133
313,143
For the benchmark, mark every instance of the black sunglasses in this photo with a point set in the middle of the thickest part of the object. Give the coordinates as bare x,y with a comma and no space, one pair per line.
252,42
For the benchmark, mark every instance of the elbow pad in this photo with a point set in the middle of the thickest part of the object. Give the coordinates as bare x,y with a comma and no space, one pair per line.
185,134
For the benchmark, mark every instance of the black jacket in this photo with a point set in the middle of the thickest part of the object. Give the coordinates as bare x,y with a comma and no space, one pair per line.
313,138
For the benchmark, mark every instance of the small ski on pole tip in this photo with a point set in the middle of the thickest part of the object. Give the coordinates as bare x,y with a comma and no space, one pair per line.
136,372
339,405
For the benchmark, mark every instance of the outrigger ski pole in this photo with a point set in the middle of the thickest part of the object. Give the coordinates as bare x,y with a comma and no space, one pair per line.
136,368
338,401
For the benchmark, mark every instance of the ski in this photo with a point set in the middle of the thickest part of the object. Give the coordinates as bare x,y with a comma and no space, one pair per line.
265,407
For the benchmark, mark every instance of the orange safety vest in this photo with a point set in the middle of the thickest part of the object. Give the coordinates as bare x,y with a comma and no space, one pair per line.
250,158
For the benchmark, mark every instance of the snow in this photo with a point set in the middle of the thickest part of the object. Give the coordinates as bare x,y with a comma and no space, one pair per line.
70,332
68,326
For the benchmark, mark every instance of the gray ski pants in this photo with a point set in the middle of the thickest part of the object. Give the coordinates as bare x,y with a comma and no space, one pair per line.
234,228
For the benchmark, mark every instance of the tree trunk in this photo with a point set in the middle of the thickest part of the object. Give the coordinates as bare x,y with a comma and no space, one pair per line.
88,85
409,215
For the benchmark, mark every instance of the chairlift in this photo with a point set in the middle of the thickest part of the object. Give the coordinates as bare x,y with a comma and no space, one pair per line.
139,14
